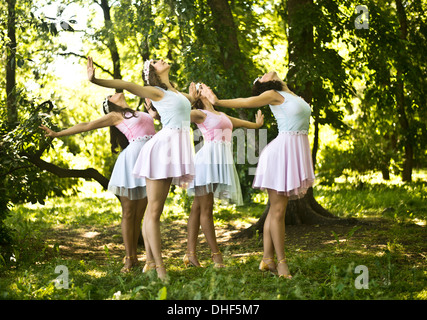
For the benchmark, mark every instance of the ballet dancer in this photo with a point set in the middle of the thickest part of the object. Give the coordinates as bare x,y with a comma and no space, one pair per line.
216,175
130,130
168,157
285,166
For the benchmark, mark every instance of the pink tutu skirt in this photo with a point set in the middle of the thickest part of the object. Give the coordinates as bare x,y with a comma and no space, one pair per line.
169,154
285,165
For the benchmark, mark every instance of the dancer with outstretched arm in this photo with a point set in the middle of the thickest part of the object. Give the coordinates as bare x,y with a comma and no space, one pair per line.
216,175
129,130
285,167
168,157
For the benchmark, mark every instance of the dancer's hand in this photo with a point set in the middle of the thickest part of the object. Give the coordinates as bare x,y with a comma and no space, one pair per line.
193,92
259,119
150,109
49,132
90,69
208,93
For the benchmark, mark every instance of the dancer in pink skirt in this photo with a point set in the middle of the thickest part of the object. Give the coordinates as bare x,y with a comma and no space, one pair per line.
168,157
131,130
216,175
285,167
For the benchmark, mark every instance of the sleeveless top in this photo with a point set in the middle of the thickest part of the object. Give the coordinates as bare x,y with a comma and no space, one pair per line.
138,128
174,109
293,115
216,127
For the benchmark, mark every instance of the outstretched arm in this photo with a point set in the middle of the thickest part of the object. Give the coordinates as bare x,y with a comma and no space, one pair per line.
259,121
267,97
192,94
110,119
140,91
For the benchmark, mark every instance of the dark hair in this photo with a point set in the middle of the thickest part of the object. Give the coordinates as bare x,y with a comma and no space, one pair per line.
198,104
153,79
117,138
260,87
151,106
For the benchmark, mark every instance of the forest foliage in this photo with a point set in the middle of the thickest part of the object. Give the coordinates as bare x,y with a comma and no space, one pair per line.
365,68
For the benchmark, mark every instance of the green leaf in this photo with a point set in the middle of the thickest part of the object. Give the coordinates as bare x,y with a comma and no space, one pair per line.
162,295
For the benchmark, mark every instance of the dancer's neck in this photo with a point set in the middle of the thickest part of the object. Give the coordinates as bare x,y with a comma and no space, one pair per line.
164,78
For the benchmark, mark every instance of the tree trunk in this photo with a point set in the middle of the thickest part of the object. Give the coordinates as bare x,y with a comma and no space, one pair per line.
111,42
12,110
301,43
305,210
400,100
302,211
227,35
231,55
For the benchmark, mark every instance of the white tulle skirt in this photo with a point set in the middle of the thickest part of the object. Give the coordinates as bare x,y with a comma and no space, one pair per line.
285,165
169,154
122,182
216,173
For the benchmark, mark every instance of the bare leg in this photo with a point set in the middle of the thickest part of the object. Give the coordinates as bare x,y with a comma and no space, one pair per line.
193,226
206,221
276,225
157,191
141,205
267,240
128,230
268,256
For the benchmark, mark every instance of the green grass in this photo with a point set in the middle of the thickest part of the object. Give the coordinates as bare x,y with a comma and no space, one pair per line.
392,199
392,245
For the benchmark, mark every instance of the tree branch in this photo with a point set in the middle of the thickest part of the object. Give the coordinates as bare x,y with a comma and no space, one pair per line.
84,57
69,173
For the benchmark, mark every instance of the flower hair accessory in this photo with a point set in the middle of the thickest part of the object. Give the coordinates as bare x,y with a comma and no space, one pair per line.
147,64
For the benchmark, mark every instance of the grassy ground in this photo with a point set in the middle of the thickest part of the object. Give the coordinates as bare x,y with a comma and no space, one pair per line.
83,234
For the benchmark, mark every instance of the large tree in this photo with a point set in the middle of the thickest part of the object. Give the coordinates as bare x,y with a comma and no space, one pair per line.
24,175
389,131
12,113
226,44
316,73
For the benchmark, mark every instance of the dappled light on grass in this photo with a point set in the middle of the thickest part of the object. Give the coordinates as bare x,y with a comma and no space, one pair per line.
367,196
100,210
96,273
83,233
